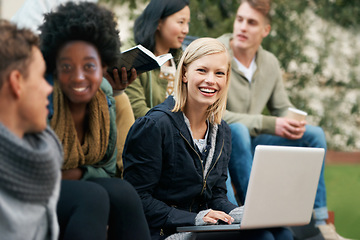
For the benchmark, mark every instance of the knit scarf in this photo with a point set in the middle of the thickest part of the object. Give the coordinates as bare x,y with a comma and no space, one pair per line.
96,137
29,167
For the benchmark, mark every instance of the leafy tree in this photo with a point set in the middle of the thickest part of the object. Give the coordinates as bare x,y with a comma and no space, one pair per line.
342,12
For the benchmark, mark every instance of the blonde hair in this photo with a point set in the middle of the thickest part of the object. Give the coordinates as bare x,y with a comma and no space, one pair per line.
197,49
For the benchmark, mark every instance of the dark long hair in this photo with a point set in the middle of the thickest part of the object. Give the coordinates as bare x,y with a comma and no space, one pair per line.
146,24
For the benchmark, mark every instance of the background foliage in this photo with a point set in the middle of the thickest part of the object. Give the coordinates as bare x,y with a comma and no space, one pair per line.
318,47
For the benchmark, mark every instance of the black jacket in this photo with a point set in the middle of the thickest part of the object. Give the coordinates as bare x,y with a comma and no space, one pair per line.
161,162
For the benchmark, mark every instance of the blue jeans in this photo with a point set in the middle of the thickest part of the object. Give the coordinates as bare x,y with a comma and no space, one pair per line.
230,191
243,146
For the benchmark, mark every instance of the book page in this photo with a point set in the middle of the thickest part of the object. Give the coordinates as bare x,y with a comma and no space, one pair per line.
142,59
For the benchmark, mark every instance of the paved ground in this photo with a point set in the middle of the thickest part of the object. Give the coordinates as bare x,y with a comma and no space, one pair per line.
333,157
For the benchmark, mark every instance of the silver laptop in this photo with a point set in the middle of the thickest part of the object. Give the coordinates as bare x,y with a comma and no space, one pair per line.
281,190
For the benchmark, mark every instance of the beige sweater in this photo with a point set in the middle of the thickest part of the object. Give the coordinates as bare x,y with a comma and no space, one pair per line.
246,101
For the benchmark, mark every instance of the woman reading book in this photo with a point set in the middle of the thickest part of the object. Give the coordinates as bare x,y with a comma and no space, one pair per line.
78,42
161,28
177,155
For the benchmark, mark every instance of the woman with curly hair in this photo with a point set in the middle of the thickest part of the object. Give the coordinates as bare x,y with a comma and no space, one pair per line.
79,41
161,28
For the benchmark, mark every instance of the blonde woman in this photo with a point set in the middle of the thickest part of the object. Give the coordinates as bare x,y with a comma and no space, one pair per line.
176,156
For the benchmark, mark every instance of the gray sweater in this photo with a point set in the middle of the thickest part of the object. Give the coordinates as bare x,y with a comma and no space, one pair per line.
29,185
24,221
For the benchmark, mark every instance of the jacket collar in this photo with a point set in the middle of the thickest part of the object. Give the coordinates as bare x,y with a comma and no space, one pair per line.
177,119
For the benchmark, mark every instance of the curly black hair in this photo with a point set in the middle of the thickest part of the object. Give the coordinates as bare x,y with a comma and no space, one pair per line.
83,21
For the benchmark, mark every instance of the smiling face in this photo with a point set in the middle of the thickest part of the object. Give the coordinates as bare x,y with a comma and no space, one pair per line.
206,80
33,100
79,71
172,30
250,27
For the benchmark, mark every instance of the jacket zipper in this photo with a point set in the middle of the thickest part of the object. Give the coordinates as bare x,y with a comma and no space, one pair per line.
217,159
195,152
202,167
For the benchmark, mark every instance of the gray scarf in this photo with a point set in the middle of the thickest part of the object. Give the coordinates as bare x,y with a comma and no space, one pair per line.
29,167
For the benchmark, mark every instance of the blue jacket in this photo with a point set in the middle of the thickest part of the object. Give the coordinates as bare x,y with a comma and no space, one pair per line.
161,162
106,167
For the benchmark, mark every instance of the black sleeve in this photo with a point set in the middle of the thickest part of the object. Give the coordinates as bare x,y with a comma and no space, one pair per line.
142,158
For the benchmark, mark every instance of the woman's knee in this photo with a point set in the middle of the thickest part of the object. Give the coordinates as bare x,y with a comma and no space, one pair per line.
121,192
82,200
83,193
126,189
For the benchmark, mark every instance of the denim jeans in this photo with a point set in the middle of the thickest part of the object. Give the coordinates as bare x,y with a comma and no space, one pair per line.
243,146
230,191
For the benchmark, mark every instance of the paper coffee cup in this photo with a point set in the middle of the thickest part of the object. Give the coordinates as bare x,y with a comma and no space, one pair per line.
296,114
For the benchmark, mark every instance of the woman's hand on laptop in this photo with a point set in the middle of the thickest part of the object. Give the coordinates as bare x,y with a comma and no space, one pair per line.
215,216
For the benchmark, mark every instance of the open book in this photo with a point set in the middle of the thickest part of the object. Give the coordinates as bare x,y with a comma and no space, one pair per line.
141,59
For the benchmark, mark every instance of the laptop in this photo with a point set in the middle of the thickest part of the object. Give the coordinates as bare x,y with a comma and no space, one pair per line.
281,191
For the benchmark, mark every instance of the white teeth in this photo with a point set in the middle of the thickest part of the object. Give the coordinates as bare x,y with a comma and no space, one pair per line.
79,89
207,90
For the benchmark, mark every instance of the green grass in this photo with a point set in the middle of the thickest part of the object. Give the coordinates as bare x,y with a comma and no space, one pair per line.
343,196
